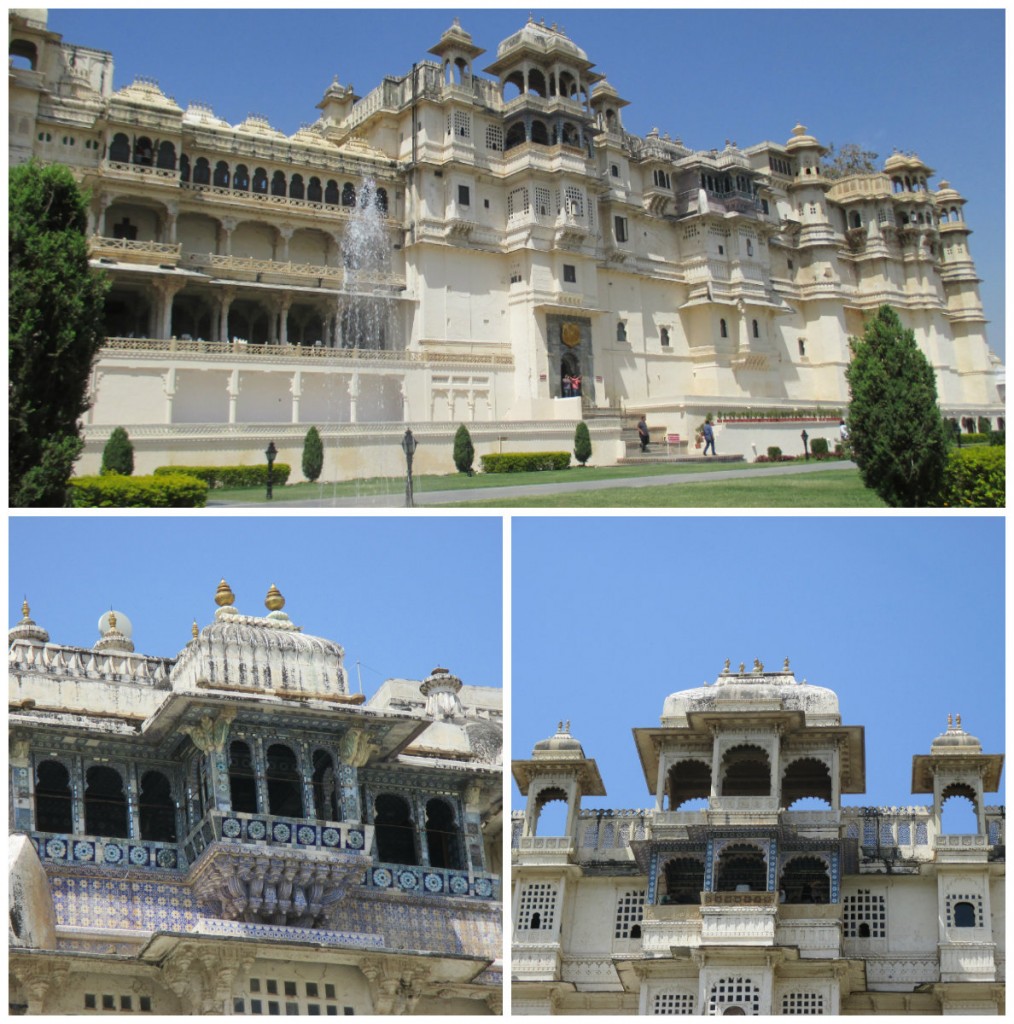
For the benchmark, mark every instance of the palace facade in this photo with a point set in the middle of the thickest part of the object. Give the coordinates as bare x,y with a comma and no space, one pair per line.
748,888
232,830
522,239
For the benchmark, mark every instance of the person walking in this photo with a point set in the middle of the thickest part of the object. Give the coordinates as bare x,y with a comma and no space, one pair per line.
642,433
709,438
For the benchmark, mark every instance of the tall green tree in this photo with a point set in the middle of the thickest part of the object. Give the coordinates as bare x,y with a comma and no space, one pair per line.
464,450
55,327
896,432
118,454
582,443
313,455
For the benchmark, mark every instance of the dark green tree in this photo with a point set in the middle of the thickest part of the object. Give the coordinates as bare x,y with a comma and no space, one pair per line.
118,454
55,325
582,443
896,432
313,455
464,452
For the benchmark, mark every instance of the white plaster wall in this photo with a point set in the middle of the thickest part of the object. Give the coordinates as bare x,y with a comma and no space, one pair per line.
32,918
129,396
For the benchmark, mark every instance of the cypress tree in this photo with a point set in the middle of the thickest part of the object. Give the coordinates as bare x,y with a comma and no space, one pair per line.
118,454
464,452
582,443
313,455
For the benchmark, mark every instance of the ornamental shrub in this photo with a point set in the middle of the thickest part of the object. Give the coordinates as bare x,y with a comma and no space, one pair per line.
524,462
974,478
313,455
464,450
118,454
984,425
582,443
232,476
819,446
168,490
774,453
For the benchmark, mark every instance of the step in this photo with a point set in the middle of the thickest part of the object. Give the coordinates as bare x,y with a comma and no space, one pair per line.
660,457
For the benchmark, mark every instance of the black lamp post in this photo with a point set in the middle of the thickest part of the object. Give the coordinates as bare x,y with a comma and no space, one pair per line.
806,450
408,446
271,451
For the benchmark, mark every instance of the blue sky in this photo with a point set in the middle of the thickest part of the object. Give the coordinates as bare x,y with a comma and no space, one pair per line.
928,81
903,617
401,595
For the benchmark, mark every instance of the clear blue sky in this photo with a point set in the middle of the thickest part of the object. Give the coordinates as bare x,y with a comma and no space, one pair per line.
401,595
903,617
928,81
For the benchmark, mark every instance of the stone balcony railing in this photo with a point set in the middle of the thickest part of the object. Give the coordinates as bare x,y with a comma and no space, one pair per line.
56,661
135,251
544,849
767,900
104,852
412,880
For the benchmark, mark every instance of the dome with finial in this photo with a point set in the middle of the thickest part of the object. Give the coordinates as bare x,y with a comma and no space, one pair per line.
560,742
947,194
541,39
955,740
800,140
274,602
114,638
764,689
27,629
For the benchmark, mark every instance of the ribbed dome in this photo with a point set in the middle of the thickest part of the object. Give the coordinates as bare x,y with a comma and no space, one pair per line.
947,194
800,140
27,629
540,37
955,740
559,742
819,704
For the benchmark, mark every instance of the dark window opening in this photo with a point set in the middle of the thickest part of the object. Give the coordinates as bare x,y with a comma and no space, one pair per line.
381,201
166,156
964,915
285,788
241,178
688,780
184,167
620,228
348,194
746,772
684,881
325,788
742,868
395,831
442,840
314,192
864,930
202,171
806,880
297,190
222,175
105,803
570,273
53,806
331,196
157,808
242,784
125,230
119,149
723,328
260,181
278,183
464,197
144,152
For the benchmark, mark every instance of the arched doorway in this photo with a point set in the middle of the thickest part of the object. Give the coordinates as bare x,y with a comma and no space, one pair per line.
570,368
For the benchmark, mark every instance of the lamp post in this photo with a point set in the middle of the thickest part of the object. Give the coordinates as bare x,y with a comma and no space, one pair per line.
408,446
806,450
271,451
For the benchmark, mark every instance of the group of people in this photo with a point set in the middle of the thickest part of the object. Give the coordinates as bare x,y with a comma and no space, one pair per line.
571,386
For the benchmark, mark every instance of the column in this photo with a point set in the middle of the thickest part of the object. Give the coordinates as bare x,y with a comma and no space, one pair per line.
716,763
169,389
284,305
226,295
282,246
306,774
226,228
233,389
167,289
130,783
169,228
353,396
296,387
260,773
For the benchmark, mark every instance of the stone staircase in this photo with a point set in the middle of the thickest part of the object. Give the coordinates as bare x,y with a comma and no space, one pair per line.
659,453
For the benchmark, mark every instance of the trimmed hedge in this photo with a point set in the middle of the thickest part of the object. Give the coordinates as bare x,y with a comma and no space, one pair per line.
974,478
525,462
169,490
819,446
232,476
774,452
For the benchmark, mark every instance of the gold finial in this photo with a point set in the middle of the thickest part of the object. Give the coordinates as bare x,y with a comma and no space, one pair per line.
786,665
274,602
559,726
726,668
224,595
957,719
194,630
25,610
112,620
742,667
950,721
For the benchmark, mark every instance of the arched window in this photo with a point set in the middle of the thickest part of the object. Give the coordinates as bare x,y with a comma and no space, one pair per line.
394,830
746,772
260,181
119,149
105,802
806,880
621,331
157,808
540,133
184,167
958,810
23,54
285,787
314,192
443,840
241,178
53,801
515,135
723,328
806,779
144,152
381,200
684,881
742,868
331,196
221,178
964,915
202,171
242,784
348,194
689,781
166,156
554,821
325,787
756,329
278,183
296,187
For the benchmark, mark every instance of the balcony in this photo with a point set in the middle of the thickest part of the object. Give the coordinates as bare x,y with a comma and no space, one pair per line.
544,850
411,880
128,250
102,851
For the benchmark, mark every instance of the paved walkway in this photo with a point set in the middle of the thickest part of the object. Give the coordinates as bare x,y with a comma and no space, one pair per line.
429,498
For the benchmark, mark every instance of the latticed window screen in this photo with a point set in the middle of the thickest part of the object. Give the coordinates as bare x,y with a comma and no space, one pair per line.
494,137
811,1003
921,836
629,911
537,906
904,834
590,839
886,834
575,202
672,1003
517,203
740,992
542,200
459,124
864,908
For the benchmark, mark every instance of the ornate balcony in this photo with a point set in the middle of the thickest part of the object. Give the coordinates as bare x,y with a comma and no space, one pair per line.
134,251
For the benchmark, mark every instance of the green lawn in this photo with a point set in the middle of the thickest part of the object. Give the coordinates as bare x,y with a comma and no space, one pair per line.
458,481
835,488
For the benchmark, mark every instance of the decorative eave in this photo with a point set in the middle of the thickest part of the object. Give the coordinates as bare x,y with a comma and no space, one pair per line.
584,768
925,766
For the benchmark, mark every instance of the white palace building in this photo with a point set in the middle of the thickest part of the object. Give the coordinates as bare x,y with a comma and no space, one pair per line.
460,243
748,887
